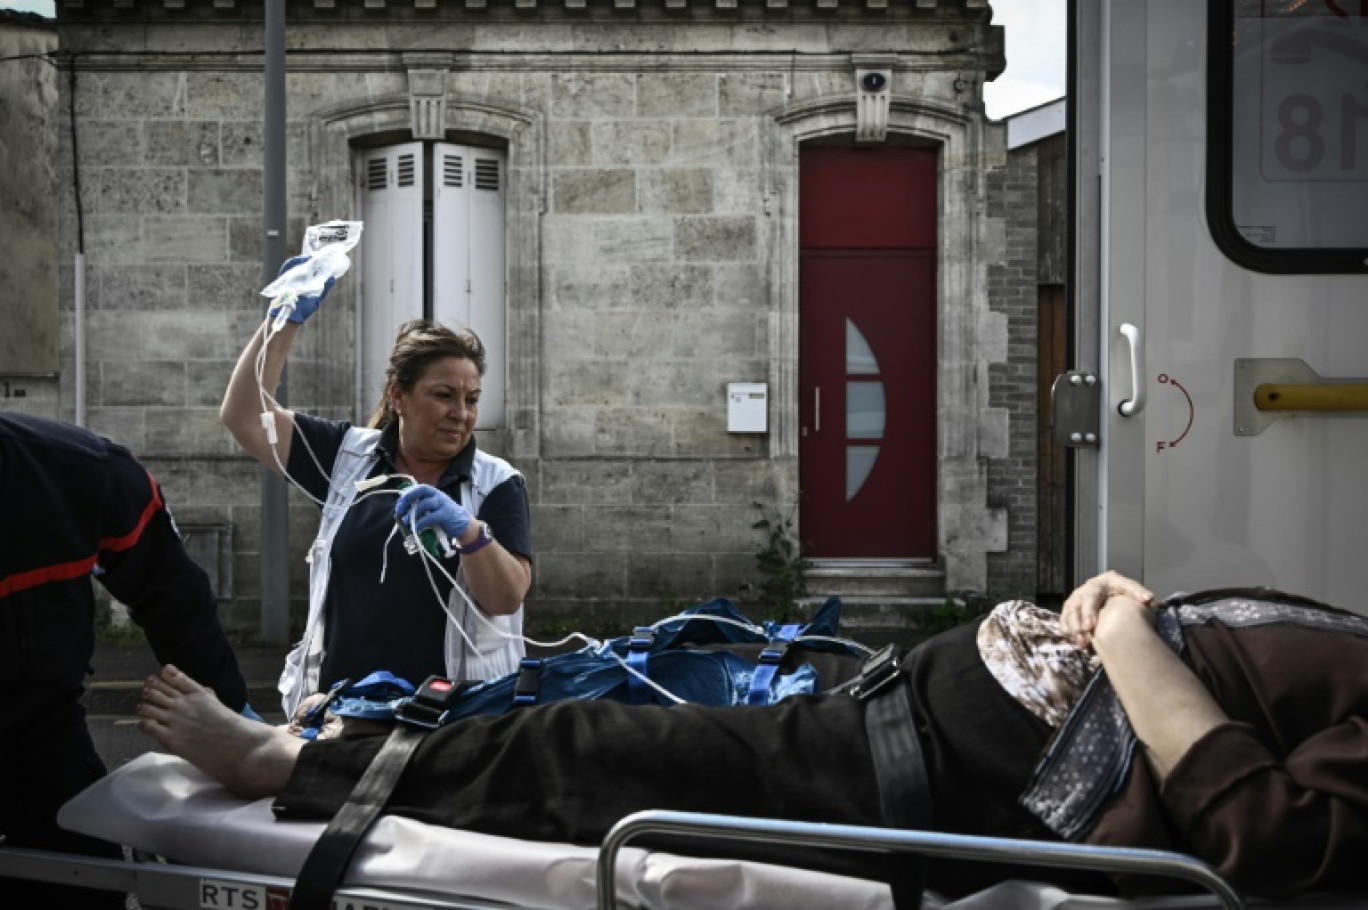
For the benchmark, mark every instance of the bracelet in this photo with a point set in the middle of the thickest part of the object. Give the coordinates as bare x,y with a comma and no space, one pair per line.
479,543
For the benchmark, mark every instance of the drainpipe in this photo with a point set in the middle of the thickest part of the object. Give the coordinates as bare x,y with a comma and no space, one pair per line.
79,318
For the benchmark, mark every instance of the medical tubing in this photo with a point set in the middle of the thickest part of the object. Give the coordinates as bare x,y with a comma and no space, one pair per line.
646,679
368,488
866,649
284,306
428,557
748,626
325,260
394,529
759,630
432,583
588,640
433,539
480,614
268,415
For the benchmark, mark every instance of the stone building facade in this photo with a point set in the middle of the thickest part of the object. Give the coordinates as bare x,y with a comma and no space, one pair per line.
654,154
29,343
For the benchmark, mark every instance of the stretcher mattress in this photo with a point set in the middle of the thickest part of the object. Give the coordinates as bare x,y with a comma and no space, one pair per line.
162,805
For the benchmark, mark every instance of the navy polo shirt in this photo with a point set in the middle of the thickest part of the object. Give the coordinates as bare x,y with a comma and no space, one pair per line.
398,624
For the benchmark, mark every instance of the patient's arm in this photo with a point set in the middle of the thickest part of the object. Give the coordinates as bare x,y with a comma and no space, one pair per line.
1275,796
1168,706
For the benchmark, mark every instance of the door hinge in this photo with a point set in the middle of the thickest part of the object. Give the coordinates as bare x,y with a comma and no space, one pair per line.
1074,400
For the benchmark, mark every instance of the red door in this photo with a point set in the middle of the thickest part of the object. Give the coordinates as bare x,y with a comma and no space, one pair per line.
867,358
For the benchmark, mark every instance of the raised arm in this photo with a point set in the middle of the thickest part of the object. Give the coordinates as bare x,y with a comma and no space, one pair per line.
252,387
242,402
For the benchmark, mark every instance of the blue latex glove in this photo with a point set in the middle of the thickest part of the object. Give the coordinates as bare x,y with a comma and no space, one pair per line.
429,507
248,713
305,305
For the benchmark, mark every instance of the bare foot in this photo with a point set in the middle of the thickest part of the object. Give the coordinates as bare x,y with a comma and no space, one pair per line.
248,757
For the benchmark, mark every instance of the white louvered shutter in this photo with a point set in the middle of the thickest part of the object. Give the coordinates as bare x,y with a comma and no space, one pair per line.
392,257
468,251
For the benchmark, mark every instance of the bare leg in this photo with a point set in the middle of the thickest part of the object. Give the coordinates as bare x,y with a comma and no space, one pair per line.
248,757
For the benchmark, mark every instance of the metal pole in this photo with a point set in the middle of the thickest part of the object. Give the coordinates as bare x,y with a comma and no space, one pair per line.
275,572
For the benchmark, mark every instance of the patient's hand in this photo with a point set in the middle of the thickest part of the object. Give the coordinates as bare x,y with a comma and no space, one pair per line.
332,726
1078,620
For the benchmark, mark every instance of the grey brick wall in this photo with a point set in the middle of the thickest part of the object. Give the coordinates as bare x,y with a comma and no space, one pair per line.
1012,383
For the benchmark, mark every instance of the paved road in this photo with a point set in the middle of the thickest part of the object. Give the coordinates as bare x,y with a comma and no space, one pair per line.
117,739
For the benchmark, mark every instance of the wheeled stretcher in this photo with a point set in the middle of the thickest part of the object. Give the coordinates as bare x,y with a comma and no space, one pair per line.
217,851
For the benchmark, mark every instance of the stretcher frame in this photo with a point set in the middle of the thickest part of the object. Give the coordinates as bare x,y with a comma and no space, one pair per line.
927,843
169,886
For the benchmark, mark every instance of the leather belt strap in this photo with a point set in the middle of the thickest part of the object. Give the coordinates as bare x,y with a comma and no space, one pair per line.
327,862
904,788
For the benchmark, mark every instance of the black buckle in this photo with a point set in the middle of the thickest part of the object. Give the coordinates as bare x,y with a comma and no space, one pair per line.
642,639
882,668
427,706
529,681
774,652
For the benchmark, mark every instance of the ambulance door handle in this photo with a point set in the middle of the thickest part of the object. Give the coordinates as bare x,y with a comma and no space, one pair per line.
816,409
1136,403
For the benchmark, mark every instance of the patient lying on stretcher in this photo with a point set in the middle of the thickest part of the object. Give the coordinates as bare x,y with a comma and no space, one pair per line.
1250,708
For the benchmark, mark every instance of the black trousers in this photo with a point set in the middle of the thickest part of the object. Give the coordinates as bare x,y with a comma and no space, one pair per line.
569,771
41,770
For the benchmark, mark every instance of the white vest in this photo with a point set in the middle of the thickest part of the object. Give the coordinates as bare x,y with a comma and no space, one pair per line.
494,654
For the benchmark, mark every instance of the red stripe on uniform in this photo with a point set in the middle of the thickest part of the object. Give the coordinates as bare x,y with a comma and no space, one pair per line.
66,571
61,572
118,544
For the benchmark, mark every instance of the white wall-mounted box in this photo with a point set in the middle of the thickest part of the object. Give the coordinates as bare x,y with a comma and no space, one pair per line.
747,407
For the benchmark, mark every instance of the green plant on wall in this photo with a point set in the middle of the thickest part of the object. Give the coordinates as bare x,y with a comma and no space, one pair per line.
110,632
783,569
945,616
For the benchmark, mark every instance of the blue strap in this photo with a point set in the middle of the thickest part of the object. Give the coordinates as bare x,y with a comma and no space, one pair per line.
527,687
770,658
638,655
